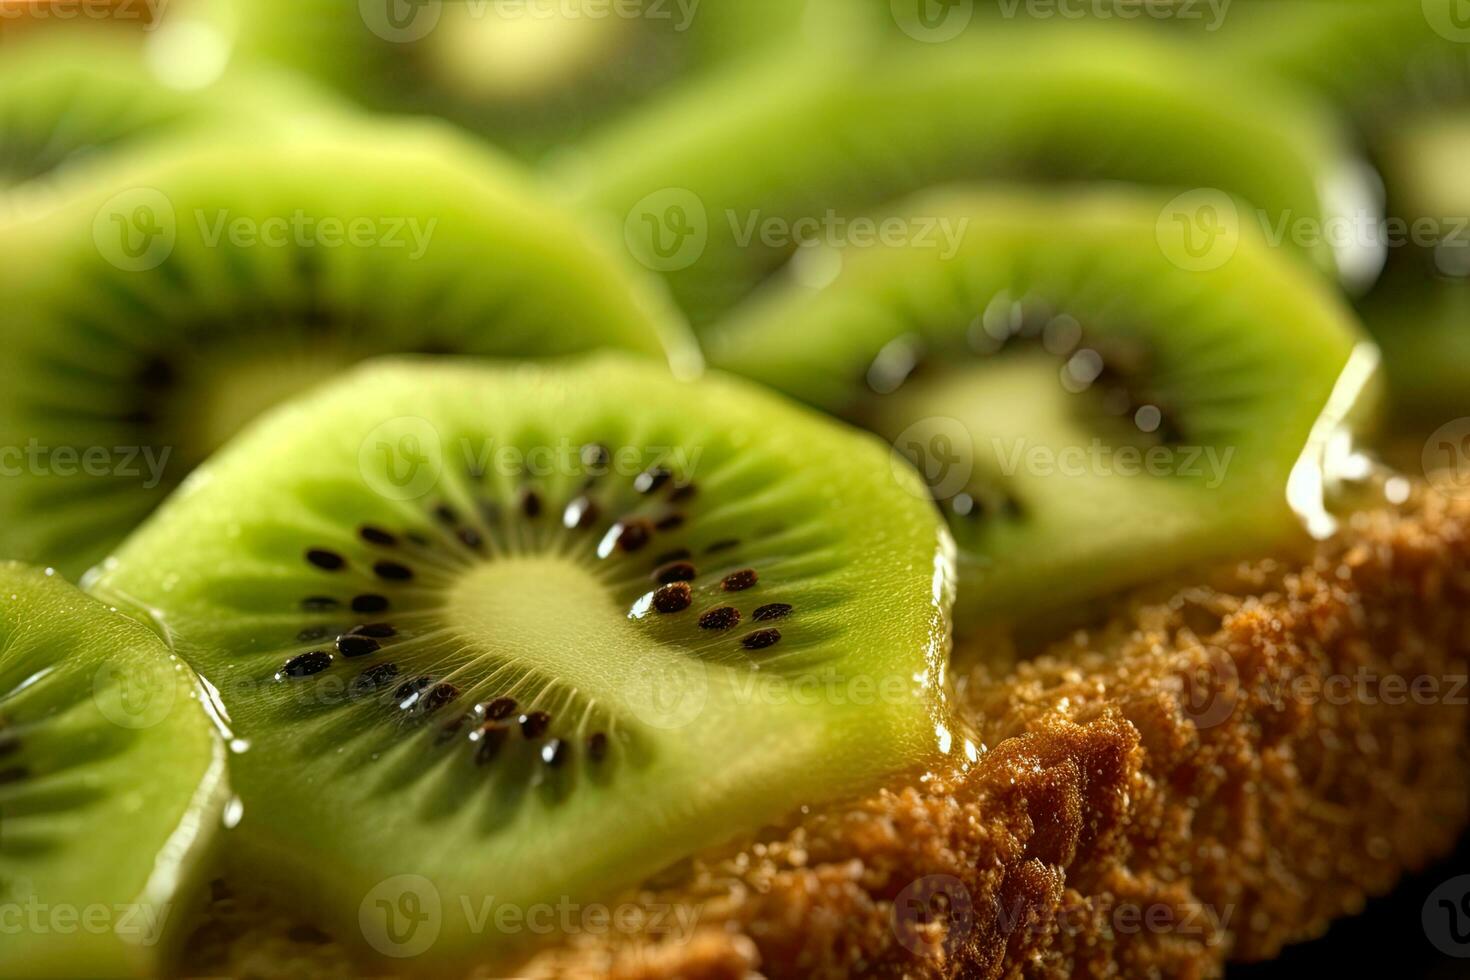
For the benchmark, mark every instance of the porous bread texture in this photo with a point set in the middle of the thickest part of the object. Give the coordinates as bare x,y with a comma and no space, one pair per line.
1223,768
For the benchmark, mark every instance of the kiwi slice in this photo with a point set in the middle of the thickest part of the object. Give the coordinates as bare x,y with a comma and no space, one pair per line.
717,193
521,633
529,74
74,98
1373,57
112,785
1090,406
158,310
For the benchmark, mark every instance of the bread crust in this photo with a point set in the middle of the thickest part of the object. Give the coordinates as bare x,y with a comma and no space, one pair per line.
1221,769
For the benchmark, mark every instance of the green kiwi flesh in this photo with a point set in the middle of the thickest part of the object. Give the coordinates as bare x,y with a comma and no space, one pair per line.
529,74
1373,57
536,632
259,270
694,183
112,785
1089,414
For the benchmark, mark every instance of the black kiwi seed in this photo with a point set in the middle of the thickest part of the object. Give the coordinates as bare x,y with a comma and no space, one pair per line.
722,618
418,538
597,746
499,708
650,480
675,571
319,603
409,689
357,646
328,561
531,503
439,695
490,738
595,456
555,753
669,521
392,571
376,535
378,631
369,603
311,633
582,512
673,598
634,534
775,610
739,581
306,664
13,775
378,675
682,493
724,545
678,554
156,373
470,538
534,724
761,639
446,514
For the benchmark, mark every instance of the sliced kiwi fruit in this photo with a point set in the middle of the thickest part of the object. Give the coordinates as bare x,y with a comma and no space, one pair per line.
1090,407
527,633
717,193
1373,57
527,73
74,98
156,311
112,786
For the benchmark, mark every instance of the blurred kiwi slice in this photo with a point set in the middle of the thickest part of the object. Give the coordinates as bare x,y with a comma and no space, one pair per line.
158,310
1373,57
79,97
527,73
112,785
521,633
717,192
1093,402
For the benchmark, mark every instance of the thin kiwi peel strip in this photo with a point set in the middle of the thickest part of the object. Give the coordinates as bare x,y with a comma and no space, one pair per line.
693,186
112,786
534,633
529,76
1092,404
222,277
